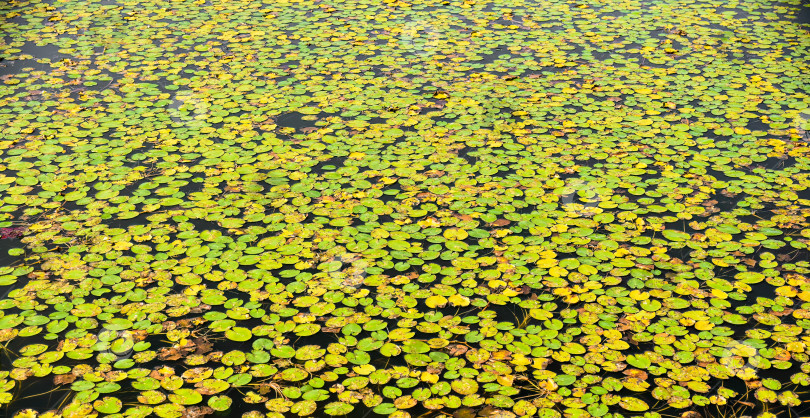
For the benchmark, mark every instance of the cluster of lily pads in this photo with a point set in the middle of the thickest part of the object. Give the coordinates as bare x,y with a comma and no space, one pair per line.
404,208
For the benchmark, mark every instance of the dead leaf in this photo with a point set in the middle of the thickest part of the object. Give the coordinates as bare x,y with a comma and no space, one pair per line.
197,411
464,413
457,350
64,379
638,374
169,353
203,346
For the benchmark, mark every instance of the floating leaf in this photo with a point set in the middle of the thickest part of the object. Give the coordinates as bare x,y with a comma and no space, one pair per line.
185,397
338,408
633,404
238,334
219,403
108,405
675,235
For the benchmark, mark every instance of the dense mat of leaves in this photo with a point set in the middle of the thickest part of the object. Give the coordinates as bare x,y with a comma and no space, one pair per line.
331,207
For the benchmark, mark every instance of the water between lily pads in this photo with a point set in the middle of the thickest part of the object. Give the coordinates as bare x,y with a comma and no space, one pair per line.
34,395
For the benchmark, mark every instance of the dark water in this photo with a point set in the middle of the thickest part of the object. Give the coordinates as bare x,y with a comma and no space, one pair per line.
43,57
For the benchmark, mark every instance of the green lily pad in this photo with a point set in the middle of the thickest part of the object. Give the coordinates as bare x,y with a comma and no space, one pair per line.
239,334
108,405
185,397
338,408
220,403
633,404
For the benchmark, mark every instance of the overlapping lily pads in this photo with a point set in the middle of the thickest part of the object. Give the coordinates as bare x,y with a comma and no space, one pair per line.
308,208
